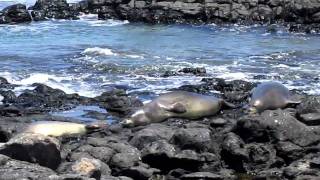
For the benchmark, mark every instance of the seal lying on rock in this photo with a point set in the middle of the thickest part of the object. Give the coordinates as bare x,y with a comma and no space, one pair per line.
58,128
177,104
270,95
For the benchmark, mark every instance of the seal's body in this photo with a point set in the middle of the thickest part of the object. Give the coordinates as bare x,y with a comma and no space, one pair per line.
57,128
270,95
177,104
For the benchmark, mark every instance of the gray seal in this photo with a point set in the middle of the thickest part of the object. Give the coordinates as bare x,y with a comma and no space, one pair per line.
270,96
177,104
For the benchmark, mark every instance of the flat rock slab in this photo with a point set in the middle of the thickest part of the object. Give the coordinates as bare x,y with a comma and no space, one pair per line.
311,119
202,175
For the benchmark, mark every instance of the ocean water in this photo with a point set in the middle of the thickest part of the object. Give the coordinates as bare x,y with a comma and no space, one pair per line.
87,56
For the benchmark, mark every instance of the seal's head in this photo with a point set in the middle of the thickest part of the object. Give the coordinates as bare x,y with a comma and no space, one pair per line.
139,118
256,106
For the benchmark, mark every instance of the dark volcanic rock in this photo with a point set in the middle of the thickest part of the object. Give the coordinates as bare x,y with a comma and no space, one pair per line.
202,175
234,153
278,125
302,15
13,169
8,97
140,172
193,71
44,98
17,13
90,168
58,9
117,101
151,133
198,139
311,119
33,148
310,104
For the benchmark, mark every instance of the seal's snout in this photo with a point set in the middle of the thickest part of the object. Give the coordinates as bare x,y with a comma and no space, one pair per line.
127,123
96,125
250,109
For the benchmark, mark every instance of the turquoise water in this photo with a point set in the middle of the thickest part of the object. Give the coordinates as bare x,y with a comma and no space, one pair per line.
88,55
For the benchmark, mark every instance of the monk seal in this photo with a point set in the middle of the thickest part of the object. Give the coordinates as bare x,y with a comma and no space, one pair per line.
177,104
58,128
270,96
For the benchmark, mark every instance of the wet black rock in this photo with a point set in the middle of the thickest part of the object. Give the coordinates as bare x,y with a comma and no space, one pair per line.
194,71
34,148
8,96
44,98
58,9
17,13
118,102
3,81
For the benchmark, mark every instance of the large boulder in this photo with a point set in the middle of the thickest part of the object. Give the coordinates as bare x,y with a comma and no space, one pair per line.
118,102
44,98
17,13
151,133
58,9
198,139
14,169
278,125
34,148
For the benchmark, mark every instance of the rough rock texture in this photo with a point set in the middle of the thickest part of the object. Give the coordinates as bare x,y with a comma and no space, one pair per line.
58,9
298,15
276,144
33,148
17,13
218,11
14,169
118,102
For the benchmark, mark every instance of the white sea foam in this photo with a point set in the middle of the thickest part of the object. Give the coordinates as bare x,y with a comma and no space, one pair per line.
92,20
99,51
134,56
1,99
282,66
66,83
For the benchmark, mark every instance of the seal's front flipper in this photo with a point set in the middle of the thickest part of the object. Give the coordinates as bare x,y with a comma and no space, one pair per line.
294,102
95,125
176,108
227,104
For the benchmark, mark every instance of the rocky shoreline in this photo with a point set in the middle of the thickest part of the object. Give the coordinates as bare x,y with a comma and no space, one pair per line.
297,15
276,144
